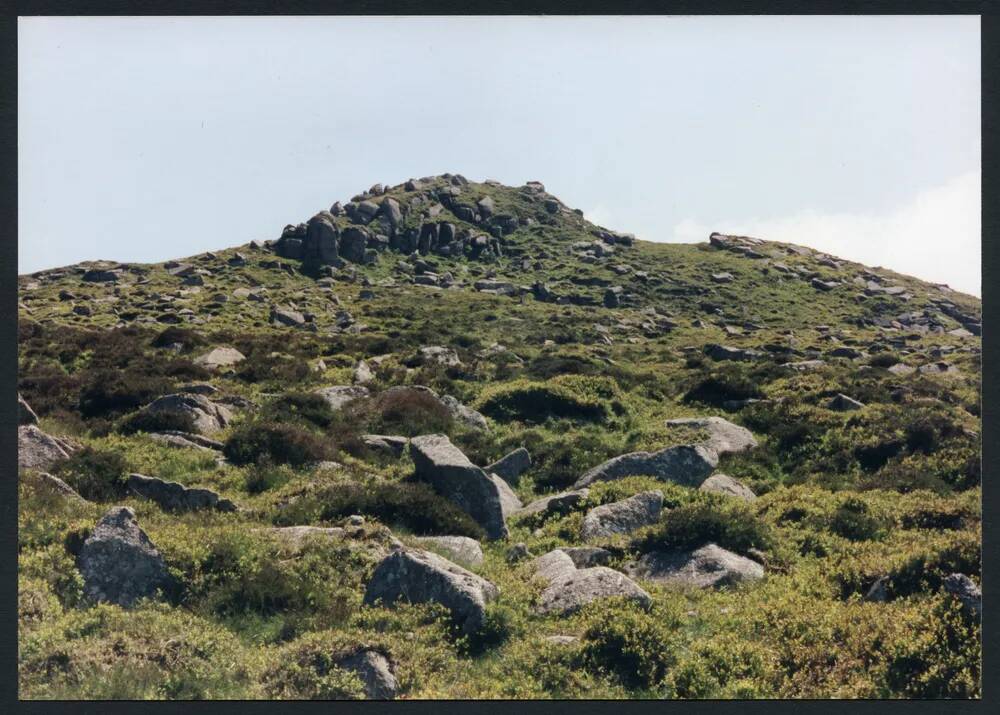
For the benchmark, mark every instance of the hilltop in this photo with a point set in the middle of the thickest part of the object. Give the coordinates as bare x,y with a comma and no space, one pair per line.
761,462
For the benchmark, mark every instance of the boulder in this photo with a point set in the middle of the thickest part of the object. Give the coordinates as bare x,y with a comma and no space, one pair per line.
725,352
724,484
707,567
511,466
723,437
460,549
206,415
417,576
843,403
552,565
966,590
722,277
220,357
286,316
685,464
55,485
25,415
464,414
517,552
172,496
570,588
119,563
374,671
353,243
437,354
442,465
622,517
804,365
38,450
554,504
362,373
183,440
586,556
340,395
388,444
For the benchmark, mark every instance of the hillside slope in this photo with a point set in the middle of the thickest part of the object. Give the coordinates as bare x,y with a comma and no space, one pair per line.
274,375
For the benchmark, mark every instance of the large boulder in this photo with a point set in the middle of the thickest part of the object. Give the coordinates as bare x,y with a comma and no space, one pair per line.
374,671
55,485
486,498
353,243
622,517
176,497
511,466
723,437
421,577
570,588
206,416
321,242
460,549
684,464
707,567
340,395
119,563
724,484
220,357
25,415
38,450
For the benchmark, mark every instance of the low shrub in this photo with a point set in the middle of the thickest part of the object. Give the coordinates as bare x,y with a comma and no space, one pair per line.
263,476
184,336
299,407
575,397
279,443
97,475
159,421
112,391
730,524
625,640
408,413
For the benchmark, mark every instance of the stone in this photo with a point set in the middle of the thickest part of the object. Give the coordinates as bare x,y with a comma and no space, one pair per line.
172,496
55,485
587,556
823,285
554,504
724,484
722,277
846,352
723,436
707,567
460,549
286,316
416,576
387,444
725,352
38,450
183,440
340,395
362,373
119,563
804,365
374,671
560,639
622,517
511,466
441,355
487,207
570,588
843,403
25,415
464,414
612,297
206,415
901,369
353,243
685,464
518,552
220,357
442,465
966,590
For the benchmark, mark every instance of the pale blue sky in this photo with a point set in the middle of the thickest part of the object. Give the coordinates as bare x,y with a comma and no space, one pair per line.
145,139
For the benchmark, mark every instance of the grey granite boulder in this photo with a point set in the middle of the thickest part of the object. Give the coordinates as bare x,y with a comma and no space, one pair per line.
724,484
172,496
570,588
511,466
554,504
340,395
220,357
622,517
119,563
38,450
374,671
57,486
486,498
722,436
206,416
684,464
707,567
421,577
586,556
391,445
725,352
460,549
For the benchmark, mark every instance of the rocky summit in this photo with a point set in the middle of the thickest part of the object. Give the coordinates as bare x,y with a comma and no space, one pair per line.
449,439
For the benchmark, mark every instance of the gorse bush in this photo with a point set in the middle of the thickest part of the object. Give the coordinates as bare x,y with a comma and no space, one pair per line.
278,443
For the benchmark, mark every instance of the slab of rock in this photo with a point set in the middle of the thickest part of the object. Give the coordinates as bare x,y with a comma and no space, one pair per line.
119,563
25,415
295,535
560,639
183,440
724,484
707,567
287,316
488,500
440,355
586,556
38,450
340,395
387,444
220,357
966,590
460,549
375,672
725,352
901,369
723,436
176,497
570,588
57,486
554,504
722,277
622,517
685,464
804,365
511,466
206,415
421,577
843,403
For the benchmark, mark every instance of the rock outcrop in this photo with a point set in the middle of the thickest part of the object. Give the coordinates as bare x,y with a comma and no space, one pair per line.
511,466
570,588
724,484
622,517
172,496
685,464
460,549
707,567
206,416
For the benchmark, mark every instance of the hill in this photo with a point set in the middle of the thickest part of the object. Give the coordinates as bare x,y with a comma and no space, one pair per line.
819,537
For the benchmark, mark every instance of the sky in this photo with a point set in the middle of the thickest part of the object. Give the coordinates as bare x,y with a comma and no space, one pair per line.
145,139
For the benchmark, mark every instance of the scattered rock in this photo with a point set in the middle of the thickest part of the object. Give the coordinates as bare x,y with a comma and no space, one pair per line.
119,563
510,467
340,395
517,552
843,403
420,577
375,672
460,549
622,517
172,496
220,357
440,355
206,415
570,588
586,556
724,484
707,567
57,486
38,450
723,436
388,444
966,590
287,316
554,504
362,373
725,352
685,464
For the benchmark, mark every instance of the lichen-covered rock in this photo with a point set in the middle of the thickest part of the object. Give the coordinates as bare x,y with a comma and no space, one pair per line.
683,464
570,588
488,500
207,416
724,484
386,444
464,414
511,466
220,357
460,549
119,563
622,517
375,672
421,577
176,497
707,567
38,450
723,436
340,395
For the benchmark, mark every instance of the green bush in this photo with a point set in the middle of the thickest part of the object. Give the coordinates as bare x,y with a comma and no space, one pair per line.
263,476
569,397
159,421
97,475
406,412
855,521
731,524
623,639
299,407
114,391
279,443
